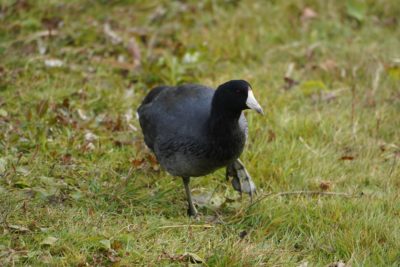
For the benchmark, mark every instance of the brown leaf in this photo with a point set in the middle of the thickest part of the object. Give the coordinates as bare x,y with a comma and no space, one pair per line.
51,23
325,185
289,83
152,158
137,163
112,124
66,159
346,157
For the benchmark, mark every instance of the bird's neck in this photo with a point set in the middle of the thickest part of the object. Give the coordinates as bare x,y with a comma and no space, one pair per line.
223,122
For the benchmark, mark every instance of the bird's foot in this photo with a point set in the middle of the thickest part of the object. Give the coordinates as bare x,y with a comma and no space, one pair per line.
241,181
192,212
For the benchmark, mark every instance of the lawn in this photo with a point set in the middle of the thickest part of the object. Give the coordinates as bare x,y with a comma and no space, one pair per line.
79,188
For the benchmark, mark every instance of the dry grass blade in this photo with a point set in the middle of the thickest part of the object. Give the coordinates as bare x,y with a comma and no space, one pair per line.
187,226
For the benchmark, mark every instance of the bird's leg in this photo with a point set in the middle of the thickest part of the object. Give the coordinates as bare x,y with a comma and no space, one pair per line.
191,210
241,181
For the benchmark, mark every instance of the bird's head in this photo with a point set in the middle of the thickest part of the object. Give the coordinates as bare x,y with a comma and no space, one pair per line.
236,95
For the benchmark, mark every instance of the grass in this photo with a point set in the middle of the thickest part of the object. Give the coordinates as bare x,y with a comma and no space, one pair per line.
77,186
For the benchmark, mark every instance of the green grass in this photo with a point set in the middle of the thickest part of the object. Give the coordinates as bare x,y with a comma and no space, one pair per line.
104,199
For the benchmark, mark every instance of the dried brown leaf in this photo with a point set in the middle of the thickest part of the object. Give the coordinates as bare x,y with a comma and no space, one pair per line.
289,83
347,157
325,185
66,159
137,163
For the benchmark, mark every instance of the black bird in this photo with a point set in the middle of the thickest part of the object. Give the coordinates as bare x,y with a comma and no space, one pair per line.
194,130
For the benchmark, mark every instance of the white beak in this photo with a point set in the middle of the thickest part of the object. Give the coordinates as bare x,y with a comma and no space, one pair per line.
252,102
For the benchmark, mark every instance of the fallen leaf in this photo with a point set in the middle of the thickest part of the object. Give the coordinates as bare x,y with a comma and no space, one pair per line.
18,228
112,35
347,157
325,185
49,241
51,23
289,83
153,162
66,159
308,14
137,163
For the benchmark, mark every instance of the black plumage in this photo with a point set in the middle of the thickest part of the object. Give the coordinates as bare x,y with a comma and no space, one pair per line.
194,130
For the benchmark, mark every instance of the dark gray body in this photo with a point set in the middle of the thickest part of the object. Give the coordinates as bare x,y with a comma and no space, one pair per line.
176,127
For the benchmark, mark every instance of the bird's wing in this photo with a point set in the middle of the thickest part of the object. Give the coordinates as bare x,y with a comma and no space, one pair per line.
171,111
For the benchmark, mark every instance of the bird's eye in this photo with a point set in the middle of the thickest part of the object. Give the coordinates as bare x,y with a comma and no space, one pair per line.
237,91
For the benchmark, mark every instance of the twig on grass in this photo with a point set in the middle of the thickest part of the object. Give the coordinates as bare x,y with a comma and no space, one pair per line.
300,193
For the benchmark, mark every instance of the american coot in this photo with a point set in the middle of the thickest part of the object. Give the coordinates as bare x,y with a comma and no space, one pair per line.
194,130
